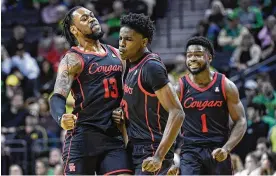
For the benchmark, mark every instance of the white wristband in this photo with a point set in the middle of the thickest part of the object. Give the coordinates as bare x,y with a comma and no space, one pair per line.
176,160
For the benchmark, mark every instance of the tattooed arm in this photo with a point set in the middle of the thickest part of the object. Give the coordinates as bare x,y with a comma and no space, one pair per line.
69,67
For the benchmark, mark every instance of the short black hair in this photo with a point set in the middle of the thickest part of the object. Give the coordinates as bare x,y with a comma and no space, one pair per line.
66,23
203,41
140,23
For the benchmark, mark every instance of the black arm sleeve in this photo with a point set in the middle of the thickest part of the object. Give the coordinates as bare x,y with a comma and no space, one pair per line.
57,106
154,76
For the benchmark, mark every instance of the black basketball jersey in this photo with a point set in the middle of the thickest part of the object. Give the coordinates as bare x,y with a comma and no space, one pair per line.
97,90
145,115
207,117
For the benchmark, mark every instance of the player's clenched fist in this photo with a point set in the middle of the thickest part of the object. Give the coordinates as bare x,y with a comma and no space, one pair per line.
68,121
117,116
220,154
151,164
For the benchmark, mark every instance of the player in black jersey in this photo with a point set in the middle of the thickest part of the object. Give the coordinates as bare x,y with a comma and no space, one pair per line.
93,73
151,107
208,98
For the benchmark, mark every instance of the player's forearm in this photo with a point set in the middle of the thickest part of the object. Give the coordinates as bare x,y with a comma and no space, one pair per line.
236,134
57,106
171,131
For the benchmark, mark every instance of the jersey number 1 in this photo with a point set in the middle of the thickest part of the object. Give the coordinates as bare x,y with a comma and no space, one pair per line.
113,92
204,123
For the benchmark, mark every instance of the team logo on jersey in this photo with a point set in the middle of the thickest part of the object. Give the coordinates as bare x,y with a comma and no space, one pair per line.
106,69
201,105
127,89
72,167
217,89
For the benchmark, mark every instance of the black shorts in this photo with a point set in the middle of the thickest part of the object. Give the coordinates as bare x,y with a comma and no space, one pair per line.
89,153
143,151
199,161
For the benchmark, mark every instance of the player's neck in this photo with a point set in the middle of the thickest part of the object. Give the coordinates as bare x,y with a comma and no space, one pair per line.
203,78
88,45
139,55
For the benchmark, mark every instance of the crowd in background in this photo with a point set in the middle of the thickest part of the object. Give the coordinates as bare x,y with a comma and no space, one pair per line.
32,46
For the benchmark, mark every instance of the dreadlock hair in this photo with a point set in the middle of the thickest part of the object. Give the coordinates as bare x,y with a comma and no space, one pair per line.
66,23
203,42
140,23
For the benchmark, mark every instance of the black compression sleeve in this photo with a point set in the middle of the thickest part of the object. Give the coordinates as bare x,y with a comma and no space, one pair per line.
57,106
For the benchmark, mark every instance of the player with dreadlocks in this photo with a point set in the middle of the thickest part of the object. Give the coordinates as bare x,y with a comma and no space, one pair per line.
93,73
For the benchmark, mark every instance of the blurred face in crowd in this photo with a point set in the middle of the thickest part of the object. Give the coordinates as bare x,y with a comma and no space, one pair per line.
265,163
197,59
251,113
40,168
270,22
85,25
15,170
131,43
46,66
261,148
216,7
17,101
244,4
267,89
247,41
55,157
250,93
250,163
19,32
118,8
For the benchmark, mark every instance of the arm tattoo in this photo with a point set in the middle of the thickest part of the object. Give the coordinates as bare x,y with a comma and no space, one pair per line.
69,67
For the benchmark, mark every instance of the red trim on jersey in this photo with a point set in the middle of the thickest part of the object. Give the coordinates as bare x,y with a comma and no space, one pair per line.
153,151
181,89
204,88
151,54
91,52
147,120
141,87
120,170
82,94
223,86
158,115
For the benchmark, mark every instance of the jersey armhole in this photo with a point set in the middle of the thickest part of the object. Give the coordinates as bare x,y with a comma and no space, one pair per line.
181,89
82,63
223,86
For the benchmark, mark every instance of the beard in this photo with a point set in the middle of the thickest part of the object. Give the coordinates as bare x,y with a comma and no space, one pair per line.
95,36
199,70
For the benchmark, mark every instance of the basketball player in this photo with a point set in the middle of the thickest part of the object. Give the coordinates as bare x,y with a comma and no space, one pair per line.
153,112
93,73
208,98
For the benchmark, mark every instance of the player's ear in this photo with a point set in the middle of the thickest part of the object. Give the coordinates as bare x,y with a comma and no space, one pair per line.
145,42
73,30
210,57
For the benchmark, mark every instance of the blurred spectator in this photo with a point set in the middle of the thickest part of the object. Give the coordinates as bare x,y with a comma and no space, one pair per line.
50,13
261,147
271,49
140,6
268,165
201,29
251,90
237,165
251,163
55,157
267,97
19,33
247,54
109,39
15,170
231,35
29,68
47,77
16,114
42,167
113,19
265,34
250,16
58,171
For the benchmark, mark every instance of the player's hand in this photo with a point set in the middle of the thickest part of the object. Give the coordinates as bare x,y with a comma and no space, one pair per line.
151,164
174,170
220,154
118,116
68,121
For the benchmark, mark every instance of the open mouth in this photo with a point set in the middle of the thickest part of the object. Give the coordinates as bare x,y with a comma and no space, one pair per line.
194,65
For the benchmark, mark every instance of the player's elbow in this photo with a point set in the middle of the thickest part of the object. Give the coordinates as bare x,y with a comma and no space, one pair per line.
243,124
179,115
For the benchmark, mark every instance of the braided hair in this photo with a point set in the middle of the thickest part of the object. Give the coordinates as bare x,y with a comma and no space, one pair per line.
66,23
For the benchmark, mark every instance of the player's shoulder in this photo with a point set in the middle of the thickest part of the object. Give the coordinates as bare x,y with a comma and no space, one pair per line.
153,61
231,89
